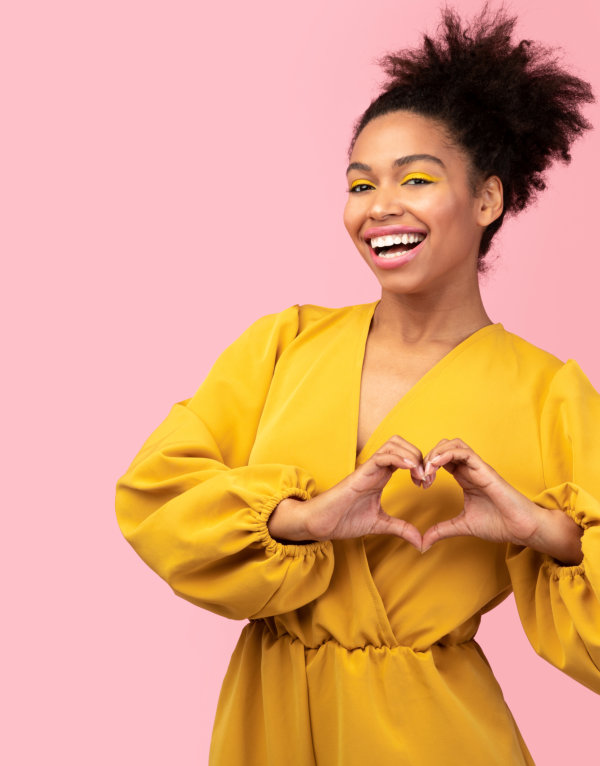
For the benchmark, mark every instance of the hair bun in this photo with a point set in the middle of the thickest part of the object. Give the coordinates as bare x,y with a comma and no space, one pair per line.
511,106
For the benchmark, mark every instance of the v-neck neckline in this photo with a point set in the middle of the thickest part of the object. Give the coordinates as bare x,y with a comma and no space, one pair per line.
431,372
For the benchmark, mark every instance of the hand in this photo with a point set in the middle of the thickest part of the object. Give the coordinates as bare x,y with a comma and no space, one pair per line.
352,507
493,509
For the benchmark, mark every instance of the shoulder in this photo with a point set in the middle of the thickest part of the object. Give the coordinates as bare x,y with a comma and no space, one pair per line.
305,319
531,355
555,376
528,359
313,317
298,326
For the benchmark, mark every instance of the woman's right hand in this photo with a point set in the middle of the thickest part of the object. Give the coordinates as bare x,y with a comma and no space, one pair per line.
352,508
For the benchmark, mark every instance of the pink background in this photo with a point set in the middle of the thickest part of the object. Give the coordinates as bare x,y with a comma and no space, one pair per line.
171,173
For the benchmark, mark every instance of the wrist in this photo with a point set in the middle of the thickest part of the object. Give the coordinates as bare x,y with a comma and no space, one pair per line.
287,522
557,535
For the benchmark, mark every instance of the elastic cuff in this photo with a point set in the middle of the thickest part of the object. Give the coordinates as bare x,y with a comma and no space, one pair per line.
521,559
581,517
273,546
558,571
573,500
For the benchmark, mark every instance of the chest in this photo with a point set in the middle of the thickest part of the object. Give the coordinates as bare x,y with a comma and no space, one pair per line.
387,376
477,391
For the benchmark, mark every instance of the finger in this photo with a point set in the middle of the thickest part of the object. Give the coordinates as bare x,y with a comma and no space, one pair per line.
445,444
442,444
450,457
429,472
386,459
415,480
383,459
454,527
397,441
389,525
439,447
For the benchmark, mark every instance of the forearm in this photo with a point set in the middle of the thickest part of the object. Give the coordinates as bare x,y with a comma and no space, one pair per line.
558,536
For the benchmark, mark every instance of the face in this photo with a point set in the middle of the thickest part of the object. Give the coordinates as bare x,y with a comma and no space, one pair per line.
408,181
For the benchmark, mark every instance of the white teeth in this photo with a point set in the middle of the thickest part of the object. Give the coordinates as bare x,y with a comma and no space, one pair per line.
393,255
389,240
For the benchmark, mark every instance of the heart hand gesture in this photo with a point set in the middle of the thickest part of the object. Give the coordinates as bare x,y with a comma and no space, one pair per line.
493,509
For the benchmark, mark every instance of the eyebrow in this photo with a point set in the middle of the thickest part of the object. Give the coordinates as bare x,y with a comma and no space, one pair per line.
398,163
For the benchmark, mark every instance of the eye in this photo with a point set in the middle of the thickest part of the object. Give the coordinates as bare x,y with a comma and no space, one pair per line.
416,179
359,186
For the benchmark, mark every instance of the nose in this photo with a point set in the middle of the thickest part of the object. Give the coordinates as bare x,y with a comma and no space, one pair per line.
386,200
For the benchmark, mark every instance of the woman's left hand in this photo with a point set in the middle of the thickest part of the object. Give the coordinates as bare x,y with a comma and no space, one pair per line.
493,509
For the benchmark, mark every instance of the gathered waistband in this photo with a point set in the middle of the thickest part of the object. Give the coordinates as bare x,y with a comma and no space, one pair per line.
285,635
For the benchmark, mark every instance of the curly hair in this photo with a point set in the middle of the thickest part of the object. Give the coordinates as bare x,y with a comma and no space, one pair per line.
511,107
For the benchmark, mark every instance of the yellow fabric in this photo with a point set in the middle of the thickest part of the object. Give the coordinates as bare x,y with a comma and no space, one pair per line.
362,651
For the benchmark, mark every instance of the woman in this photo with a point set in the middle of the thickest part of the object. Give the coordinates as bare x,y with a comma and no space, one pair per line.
300,487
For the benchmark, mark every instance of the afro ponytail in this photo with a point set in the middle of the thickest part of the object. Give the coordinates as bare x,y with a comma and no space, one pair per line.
510,106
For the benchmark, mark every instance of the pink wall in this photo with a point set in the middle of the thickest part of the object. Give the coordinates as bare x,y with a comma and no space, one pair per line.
166,169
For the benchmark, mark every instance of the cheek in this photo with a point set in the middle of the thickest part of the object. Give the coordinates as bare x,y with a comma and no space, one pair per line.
449,215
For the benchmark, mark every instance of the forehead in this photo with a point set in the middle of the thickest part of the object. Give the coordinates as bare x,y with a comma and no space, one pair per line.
403,133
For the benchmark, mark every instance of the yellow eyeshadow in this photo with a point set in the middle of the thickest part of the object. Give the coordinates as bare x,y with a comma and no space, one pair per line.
424,176
360,181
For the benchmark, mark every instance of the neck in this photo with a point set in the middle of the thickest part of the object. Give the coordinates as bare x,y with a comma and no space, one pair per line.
427,318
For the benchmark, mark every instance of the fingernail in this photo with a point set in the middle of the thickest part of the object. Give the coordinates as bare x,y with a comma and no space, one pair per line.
427,466
423,550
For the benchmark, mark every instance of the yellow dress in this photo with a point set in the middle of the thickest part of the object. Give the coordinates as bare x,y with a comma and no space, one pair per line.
361,651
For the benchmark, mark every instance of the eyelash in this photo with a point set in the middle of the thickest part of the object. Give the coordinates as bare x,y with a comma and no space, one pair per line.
412,177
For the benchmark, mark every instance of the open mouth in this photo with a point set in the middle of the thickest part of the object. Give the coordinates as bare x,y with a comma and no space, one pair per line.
391,245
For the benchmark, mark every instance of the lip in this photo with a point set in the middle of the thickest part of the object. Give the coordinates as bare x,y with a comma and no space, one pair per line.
392,263
382,231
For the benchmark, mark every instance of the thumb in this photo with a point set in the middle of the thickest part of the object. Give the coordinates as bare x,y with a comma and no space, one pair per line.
454,527
390,525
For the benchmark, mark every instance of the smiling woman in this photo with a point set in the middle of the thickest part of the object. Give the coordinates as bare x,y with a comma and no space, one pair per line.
427,193
348,480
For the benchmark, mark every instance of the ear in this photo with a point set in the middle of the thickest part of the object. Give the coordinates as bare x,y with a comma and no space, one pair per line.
490,201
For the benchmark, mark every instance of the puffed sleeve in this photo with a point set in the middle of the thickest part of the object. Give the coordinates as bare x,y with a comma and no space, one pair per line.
197,514
559,605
